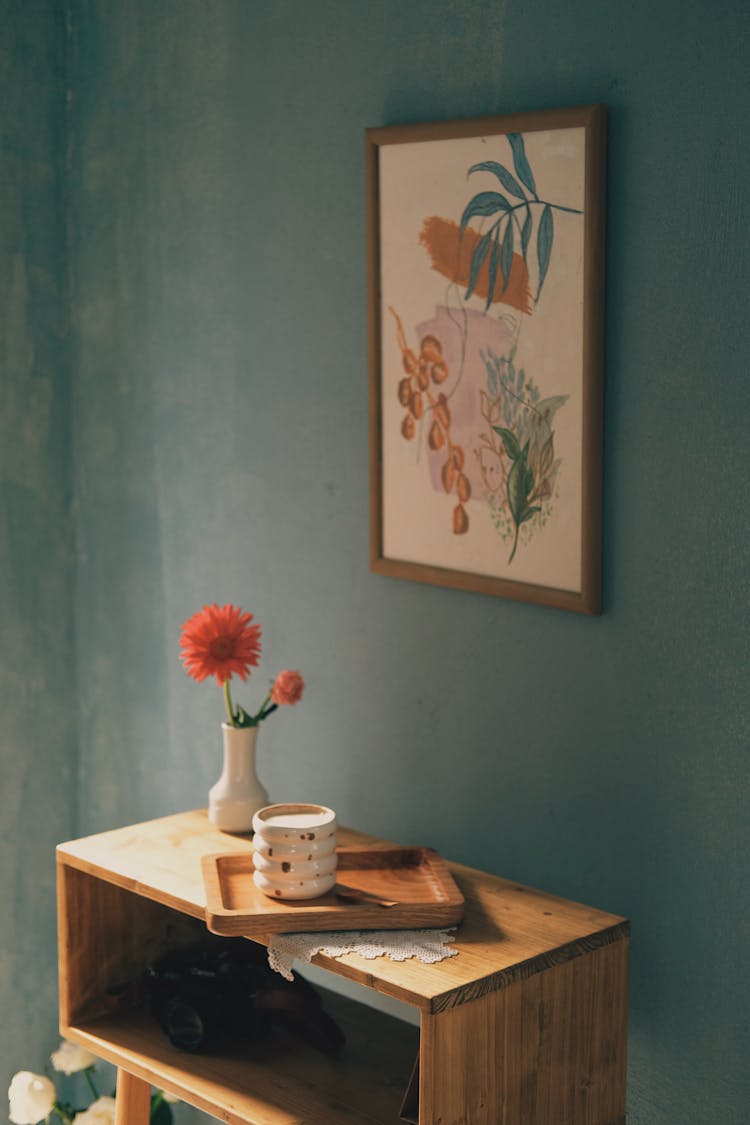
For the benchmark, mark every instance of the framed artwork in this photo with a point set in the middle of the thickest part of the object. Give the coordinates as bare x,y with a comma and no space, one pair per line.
486,272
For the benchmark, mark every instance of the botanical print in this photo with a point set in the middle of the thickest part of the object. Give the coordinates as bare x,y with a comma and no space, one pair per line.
481,276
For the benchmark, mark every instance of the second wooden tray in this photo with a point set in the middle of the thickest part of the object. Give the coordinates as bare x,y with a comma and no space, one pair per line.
415,880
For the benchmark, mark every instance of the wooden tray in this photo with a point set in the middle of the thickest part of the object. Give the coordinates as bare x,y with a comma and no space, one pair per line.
415,880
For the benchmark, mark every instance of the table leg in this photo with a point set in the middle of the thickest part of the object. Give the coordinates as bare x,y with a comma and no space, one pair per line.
133,1100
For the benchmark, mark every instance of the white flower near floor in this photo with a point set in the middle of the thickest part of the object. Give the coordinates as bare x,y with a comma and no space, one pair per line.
70,1058
31,1098
100,1112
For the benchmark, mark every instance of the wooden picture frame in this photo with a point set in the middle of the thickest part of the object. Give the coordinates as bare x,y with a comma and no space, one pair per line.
485,243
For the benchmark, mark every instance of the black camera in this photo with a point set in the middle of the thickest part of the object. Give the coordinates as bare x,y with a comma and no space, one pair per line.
225,988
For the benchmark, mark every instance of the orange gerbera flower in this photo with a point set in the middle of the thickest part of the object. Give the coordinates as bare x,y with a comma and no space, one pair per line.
220,641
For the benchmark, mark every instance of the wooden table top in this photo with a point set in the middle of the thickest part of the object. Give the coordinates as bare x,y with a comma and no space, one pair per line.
509,931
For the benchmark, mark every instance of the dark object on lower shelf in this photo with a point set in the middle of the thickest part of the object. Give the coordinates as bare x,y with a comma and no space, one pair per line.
225,988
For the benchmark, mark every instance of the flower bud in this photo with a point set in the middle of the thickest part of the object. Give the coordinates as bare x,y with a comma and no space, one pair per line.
100,1112
31,1096
71,1057
287,688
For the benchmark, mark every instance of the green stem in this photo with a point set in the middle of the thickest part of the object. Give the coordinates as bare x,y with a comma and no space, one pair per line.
515,544
228,701
62,1113
528,204
543,203
265,710
92,1085
263,713
259,714
90,1080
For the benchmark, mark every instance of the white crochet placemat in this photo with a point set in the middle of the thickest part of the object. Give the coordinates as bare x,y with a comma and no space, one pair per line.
429,946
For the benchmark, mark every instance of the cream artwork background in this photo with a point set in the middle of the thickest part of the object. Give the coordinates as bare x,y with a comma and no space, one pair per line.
427,182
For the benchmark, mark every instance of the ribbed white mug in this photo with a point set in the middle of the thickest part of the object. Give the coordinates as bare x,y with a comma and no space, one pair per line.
294,850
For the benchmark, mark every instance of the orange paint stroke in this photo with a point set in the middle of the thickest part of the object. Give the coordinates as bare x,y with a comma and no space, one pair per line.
440,237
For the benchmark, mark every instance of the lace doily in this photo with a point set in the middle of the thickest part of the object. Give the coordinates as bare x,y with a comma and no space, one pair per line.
426,945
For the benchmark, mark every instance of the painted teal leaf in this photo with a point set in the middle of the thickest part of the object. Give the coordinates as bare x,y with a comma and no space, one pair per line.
493,264
506,257
544,237
529,513
485,203
510,441
509,182
526,233
523,170
477,260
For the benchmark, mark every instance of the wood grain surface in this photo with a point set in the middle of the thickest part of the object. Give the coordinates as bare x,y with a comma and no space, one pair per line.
509,931
548,1050
133,1104
526,1026
281,1081
416,880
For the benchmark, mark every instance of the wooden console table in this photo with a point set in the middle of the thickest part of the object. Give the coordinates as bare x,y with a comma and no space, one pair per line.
526,1026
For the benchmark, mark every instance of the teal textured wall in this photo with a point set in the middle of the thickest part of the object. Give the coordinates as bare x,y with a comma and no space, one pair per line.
37,687
219,422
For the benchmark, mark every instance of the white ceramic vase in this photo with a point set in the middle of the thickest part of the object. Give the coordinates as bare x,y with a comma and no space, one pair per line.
238,794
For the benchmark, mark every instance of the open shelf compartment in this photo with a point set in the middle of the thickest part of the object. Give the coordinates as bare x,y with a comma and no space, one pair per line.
526,1026
276,1081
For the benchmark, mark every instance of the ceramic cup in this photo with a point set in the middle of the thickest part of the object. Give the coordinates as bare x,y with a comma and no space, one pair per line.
294,851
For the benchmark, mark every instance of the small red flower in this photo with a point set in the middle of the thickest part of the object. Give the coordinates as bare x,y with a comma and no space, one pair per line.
220,641
287,688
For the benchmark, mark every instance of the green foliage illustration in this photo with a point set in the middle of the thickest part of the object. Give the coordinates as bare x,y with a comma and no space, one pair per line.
517,452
